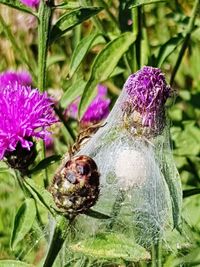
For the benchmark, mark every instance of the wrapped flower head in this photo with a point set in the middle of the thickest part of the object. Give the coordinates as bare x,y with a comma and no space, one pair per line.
148,91
11,77
25,113
140,187
31,3
97,110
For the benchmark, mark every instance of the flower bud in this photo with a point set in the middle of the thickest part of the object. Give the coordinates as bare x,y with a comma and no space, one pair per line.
21,158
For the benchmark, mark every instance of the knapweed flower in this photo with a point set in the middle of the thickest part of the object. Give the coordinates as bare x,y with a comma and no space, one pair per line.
31,3
25,113
96,111
148,91
11,77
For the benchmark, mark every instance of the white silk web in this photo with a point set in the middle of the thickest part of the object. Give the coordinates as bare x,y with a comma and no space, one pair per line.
139,182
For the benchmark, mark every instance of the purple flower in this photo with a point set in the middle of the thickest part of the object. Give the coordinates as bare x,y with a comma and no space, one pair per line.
148,91
96,111
11,77
25,113
31,3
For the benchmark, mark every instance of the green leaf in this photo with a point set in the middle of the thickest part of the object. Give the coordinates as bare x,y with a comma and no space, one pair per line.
185,94
175,113
68,5
13,263
70,20
191,192
17,5
168,48
111,246
82,49
43,164
96,214
116,72
104,65
136,3
55,59
42,195
173,181
188,141
23,221
75,90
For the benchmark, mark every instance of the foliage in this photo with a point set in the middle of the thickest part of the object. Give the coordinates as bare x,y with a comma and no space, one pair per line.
94,42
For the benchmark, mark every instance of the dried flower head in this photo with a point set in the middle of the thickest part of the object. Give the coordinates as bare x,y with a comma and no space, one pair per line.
148,91
31,3
76,186
25,113
96,111
11,77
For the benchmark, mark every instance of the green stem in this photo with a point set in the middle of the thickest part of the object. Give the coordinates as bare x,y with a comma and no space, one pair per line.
116,208
156,255
126,62
27,194
21,185
45,14
137,30
186,40
57,240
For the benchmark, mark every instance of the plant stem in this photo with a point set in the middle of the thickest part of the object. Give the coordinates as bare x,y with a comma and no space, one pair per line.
21,185
45,14
27,194
186,40
57,240
116,208
137,30
156,255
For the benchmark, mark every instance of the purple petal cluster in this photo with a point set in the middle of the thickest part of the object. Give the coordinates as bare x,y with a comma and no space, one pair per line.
148,92
31,3
11,77
96,111
25,113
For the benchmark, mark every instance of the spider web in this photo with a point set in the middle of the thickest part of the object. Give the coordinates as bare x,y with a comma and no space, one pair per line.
137,182
139,187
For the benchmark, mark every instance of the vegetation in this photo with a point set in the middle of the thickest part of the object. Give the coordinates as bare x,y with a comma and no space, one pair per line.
69,47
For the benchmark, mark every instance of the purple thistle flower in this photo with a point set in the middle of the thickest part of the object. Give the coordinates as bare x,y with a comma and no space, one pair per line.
25,113
96,111
31,3
148,92
11,77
